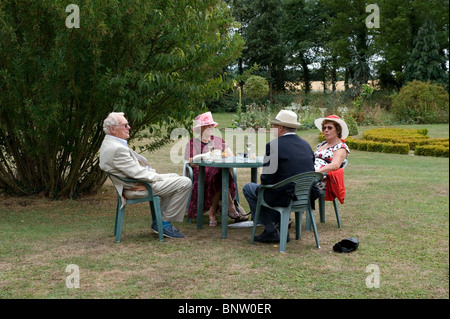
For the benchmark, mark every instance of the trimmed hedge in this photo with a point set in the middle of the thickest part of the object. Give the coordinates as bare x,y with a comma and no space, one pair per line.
399,141
374,146
397,135
432,150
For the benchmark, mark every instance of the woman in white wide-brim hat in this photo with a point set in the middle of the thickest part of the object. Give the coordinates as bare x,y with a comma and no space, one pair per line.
204,126
332,153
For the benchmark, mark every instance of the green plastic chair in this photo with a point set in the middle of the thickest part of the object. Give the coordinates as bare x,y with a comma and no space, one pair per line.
187,171
303,185
322,208
154,202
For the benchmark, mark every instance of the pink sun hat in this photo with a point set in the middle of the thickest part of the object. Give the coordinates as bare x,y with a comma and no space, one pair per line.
203,120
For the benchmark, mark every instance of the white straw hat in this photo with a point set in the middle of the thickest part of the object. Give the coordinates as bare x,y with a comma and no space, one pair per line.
286,118
334,118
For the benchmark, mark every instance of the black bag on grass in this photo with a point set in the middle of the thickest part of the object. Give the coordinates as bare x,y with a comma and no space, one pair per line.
346,245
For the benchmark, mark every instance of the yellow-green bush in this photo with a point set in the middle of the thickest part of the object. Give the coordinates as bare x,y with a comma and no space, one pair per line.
421,102
375,146
321,137
435,141
397,135
398,141
396,148
432,150
412,137
352,126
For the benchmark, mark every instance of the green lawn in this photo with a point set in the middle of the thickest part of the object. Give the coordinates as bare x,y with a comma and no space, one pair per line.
396,205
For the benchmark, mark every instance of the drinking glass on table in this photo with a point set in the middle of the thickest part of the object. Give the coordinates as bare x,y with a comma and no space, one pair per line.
251,156
249,146
210,146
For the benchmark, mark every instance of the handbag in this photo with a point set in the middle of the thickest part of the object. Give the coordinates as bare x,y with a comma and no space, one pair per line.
243,216
346,245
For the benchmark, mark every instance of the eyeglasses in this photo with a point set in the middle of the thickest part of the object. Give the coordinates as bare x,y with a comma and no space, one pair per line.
124,125
327,128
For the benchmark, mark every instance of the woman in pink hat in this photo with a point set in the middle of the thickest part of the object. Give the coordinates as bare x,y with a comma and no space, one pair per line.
204,126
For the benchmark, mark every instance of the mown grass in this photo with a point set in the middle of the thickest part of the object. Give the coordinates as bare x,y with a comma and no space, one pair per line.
396,205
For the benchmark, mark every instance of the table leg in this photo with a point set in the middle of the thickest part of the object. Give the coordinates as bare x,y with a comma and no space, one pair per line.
201,194
225,182
254,175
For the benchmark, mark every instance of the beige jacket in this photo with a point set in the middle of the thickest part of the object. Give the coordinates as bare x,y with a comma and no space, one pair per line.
120,160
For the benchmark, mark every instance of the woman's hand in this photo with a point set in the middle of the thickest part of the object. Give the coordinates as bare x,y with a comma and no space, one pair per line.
338,157
191,163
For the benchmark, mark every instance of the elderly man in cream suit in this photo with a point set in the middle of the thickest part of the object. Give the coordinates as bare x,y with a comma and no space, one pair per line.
118,159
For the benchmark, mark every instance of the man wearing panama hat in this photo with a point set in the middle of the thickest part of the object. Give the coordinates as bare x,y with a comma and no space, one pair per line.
293,155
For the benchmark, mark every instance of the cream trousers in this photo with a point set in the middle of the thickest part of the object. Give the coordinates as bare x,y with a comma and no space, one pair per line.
173,191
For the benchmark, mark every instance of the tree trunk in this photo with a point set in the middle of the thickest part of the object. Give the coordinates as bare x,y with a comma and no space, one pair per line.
305,74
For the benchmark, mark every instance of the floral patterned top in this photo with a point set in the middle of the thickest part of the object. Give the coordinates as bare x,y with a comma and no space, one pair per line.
325,156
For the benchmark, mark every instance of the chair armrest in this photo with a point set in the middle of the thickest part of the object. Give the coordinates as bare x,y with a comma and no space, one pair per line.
132,180
188,168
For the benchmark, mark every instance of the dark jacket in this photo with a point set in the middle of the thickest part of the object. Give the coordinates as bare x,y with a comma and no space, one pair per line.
293,156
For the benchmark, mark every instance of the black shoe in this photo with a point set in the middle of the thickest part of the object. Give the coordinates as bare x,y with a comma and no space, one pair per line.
268,237
277,226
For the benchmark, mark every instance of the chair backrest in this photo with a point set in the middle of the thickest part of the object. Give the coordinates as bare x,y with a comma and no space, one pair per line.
112,177
303,186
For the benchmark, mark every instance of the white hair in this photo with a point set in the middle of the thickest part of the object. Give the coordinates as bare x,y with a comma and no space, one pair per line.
111,120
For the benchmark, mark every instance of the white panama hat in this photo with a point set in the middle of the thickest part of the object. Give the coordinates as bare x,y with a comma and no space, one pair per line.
334,118
286,118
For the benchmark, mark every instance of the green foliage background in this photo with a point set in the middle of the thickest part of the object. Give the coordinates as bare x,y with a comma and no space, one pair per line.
157,61
421,102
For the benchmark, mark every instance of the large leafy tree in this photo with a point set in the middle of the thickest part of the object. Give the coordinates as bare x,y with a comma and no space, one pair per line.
394,41
157,61
304,35
261,29
349,38
425,63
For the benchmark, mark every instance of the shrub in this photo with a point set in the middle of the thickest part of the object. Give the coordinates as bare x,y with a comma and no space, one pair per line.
396,148
400,141
432,150
396,135
435,141
421,102
352,142
374,146
352,125
362,146
255,117
157,61
256,87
